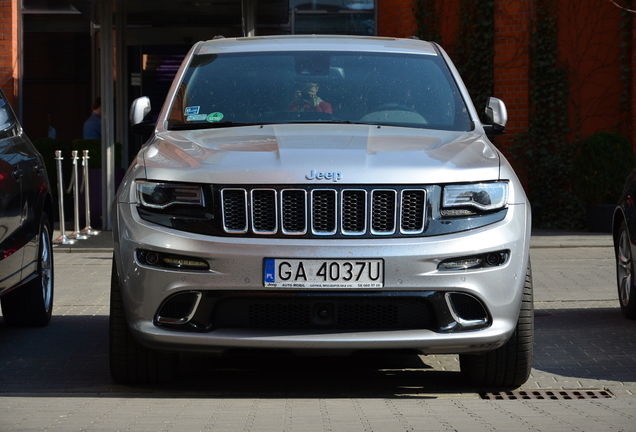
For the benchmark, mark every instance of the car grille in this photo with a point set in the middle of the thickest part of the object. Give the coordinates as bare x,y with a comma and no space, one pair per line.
195,311
322,312
324,211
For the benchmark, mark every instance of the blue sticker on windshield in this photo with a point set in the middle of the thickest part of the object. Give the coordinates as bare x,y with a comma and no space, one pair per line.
192,110
197,117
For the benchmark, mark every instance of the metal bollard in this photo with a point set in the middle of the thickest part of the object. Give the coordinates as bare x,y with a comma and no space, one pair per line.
76,229
87,230
62,239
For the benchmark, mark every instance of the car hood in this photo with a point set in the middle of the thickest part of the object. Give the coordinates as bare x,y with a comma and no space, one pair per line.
302,153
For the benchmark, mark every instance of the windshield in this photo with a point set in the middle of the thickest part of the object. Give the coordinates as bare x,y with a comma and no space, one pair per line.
222,90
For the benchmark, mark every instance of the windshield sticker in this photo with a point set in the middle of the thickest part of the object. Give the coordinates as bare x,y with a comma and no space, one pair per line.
215,117
192,110
198,117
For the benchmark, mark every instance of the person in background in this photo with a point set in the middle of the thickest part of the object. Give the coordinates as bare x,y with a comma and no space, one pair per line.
93,125
52,133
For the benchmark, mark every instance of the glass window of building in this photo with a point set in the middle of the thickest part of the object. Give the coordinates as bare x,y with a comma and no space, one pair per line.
350,17
48,5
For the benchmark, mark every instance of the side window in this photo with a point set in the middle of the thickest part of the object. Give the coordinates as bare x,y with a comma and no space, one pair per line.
6,117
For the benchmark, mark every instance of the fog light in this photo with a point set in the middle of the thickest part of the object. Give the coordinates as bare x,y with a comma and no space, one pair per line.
185,263
152,258
490,259
493,259
461,264
158,259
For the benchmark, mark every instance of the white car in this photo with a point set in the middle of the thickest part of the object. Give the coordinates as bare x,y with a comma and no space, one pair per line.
321,195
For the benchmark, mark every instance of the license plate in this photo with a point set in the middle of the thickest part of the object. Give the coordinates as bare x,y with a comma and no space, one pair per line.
311,273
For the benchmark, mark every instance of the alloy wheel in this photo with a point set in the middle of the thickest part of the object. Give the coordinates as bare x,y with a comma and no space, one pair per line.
624,267
47,269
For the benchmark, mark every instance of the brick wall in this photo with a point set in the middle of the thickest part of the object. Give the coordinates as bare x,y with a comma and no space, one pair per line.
589,46
511,64
449,17
9,49
396,18
512,36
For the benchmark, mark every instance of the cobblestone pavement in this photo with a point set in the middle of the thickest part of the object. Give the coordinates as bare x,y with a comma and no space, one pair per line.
56,378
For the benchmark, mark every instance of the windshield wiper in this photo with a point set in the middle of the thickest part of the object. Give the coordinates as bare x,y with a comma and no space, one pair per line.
324,122
227,123
211,125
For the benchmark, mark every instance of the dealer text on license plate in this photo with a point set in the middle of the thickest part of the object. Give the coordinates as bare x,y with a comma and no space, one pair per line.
311,273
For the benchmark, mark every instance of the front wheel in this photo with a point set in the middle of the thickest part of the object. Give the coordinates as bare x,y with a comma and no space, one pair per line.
509,365
31,305
625,273
131,362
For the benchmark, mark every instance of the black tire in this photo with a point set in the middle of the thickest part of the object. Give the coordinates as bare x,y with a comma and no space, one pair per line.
130,362
509,365
31,305
625,273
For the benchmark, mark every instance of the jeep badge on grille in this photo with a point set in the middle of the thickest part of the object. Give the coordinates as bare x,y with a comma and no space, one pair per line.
335,176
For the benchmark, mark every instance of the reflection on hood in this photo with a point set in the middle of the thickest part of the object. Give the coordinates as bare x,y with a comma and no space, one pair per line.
359,150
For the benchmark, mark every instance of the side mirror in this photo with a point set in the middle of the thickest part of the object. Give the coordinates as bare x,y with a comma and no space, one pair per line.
497,117
139,111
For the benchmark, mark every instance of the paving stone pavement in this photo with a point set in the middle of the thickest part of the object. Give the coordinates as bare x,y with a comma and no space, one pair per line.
56,378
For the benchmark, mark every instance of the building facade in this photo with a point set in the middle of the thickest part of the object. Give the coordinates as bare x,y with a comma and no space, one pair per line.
595,44
568,64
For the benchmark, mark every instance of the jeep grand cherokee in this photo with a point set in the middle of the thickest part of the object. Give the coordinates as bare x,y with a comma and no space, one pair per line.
321,194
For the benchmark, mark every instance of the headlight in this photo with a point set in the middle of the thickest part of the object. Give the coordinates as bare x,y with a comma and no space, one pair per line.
483,196
161,195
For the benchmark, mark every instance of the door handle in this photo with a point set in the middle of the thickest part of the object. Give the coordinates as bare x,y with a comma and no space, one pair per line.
18,173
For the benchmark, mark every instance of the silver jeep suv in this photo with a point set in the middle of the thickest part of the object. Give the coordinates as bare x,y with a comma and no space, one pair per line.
321,195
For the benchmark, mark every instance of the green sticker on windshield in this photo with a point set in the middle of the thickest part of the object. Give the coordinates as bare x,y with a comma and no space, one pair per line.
215,117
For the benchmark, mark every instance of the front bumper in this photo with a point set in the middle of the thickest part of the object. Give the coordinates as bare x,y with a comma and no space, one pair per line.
410,269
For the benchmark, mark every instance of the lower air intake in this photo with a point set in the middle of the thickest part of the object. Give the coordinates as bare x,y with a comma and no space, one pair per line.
322,312
467,308
179,308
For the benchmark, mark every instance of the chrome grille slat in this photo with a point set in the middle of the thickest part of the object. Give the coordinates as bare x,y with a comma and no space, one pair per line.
354,211
324,211
412,211
383,211
294,211
234,210
264,211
